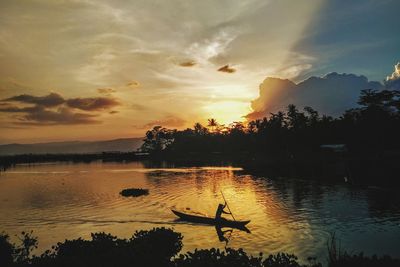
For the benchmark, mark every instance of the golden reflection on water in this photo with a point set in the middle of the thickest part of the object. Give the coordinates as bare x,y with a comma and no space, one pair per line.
66,201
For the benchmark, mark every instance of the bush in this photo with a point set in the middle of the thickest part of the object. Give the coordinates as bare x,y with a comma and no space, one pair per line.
159,247
215,257
134,192
6,251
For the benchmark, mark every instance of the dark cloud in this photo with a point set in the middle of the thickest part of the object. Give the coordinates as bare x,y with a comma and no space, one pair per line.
39,115
169,121
331,94
133,84
393,81
53,109
62,115
54,99
227,69
113,112
14,109
106,91
189,63
92,103
50,100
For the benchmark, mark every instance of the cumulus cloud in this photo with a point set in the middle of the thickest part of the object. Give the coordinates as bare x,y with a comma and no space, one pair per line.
53,109
331,94
92,103
227,69
393,81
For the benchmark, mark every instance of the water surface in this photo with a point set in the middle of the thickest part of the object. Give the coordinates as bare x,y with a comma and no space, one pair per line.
66,201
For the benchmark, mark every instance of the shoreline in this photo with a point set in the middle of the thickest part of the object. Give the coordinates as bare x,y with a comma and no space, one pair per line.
369,169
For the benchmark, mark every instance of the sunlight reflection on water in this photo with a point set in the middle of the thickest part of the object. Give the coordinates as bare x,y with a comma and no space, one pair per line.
59,201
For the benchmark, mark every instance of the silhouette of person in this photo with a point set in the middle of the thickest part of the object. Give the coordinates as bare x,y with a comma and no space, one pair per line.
220,210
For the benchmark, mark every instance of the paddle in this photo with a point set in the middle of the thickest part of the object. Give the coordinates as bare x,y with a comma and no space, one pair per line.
227,205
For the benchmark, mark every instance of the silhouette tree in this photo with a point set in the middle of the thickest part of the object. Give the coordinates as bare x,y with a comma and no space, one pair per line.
213,124
199,129
158,139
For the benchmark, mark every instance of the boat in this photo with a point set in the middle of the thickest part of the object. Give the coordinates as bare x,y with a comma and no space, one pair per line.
210,221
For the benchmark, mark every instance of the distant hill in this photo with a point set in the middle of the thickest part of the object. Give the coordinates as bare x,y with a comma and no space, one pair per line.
70,147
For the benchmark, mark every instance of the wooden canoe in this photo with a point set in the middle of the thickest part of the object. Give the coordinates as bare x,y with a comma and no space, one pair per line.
210,221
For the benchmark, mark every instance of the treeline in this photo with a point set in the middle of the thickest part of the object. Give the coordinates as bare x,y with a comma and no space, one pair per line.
159,247
373,127
12,160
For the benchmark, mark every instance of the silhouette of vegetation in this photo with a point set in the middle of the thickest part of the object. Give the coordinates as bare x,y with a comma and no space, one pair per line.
19,255
213,124
339,258
360,146
156,247
134,192
232,258
366,139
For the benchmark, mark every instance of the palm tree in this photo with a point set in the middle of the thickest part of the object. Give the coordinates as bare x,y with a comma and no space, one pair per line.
199,129
212,123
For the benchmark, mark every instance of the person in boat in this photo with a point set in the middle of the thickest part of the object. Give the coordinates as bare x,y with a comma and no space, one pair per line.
220,210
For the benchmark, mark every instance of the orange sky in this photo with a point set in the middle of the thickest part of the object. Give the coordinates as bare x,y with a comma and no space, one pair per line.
90,70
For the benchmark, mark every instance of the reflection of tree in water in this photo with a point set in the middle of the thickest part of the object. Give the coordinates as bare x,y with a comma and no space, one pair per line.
295,191
202,178
153,164
165,178
383,203
317,194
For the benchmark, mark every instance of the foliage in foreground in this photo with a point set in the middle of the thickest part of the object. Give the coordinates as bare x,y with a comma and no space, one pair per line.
339,258
159,247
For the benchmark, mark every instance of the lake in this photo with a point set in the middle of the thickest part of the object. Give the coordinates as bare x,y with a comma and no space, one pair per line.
61,201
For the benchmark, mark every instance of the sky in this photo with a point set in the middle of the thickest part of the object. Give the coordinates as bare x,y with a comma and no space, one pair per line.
92,70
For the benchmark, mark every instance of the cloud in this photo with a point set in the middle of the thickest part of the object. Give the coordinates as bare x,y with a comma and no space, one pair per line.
14,109
294,71
331,94
50,100
54,99
133,84
189,63
106,91
393,81
227,69
62,115
53,109
169,121
39,115
92,103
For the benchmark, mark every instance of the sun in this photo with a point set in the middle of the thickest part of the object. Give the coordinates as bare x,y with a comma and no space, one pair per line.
226,112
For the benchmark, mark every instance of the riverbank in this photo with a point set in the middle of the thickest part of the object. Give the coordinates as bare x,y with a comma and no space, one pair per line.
160,247
7,162
375,169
